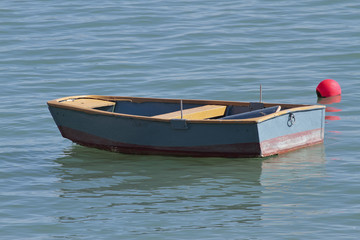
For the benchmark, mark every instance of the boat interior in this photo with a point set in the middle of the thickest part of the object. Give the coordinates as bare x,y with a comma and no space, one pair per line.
176,108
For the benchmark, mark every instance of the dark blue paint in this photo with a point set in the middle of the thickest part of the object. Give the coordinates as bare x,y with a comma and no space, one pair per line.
253,114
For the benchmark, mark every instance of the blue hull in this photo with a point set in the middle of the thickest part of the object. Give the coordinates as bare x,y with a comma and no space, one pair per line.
110,129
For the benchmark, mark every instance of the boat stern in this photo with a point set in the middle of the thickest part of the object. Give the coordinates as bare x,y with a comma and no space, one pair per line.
291,131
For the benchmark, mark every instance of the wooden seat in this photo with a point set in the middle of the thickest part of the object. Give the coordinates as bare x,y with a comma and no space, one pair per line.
88,103
197,113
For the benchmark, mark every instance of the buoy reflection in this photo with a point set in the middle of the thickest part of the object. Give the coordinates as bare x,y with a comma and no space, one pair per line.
328,101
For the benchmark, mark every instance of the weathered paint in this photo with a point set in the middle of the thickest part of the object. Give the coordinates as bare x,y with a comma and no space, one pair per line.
261,136
290,142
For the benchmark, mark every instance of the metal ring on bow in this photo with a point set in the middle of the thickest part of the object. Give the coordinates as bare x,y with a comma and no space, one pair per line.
291,120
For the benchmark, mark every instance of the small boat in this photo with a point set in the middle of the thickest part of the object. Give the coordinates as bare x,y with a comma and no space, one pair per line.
198,128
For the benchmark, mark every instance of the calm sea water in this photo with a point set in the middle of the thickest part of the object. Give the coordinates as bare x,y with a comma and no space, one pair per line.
53,189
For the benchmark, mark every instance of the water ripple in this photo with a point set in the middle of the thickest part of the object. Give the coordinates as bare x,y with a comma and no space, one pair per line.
182,49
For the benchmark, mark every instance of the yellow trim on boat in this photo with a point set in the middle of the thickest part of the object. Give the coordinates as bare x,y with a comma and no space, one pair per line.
87,108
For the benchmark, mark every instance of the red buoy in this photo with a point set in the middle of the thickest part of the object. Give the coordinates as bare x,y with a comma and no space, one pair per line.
328,88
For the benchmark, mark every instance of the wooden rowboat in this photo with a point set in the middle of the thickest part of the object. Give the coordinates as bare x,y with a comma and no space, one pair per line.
203,128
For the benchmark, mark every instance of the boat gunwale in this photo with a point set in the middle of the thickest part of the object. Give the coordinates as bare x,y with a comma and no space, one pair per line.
290,108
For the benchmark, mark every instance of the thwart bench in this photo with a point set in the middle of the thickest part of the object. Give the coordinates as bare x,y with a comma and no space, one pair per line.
197,113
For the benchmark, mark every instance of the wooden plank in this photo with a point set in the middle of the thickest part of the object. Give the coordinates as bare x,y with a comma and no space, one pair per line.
197,113
88,103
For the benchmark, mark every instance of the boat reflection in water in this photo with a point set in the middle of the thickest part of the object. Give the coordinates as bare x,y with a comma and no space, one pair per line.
299,165
172,193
